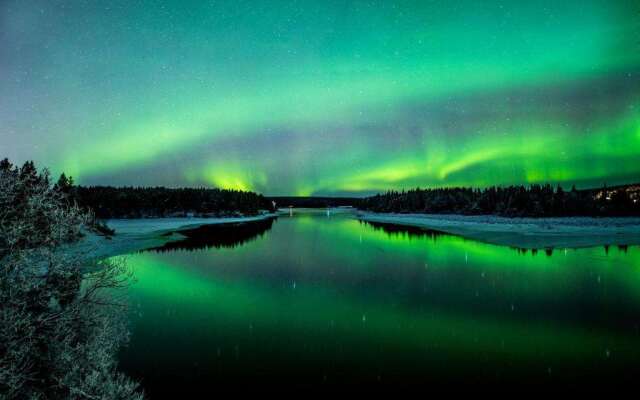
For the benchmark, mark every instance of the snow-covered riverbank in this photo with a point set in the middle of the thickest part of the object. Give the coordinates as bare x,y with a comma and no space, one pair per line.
138,234
524,232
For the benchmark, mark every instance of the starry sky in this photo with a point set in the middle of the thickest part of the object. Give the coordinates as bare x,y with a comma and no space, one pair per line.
323,97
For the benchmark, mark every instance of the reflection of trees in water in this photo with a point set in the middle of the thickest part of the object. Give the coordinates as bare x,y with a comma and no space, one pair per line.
218,235
548,251
393,230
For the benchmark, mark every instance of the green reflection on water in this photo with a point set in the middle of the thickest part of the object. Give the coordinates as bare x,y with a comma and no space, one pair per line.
330,291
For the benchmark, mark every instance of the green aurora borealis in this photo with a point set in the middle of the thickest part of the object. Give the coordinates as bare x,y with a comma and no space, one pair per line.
323,97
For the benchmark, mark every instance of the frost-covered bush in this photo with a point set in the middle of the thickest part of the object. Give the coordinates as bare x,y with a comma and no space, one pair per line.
61,323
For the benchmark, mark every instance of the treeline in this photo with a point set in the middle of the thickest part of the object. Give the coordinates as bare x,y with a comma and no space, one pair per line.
313,202
142,202
23,193
511,201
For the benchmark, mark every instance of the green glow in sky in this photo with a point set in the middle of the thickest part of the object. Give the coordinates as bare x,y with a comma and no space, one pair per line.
323,97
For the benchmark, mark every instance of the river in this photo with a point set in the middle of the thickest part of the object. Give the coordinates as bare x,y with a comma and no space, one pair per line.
320,297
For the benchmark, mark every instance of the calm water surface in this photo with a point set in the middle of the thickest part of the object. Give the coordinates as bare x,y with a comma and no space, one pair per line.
316,298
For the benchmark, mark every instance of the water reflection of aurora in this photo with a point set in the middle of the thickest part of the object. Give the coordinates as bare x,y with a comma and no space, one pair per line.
318,292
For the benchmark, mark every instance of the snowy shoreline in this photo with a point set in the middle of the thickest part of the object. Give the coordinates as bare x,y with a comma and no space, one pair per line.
138,234
531,233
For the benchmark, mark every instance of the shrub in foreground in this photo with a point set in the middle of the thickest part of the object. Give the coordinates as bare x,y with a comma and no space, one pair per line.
61,323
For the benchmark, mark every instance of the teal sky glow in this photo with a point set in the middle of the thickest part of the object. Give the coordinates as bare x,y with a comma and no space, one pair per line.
331,97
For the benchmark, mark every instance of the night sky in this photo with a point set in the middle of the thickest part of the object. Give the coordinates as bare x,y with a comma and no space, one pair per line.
323,97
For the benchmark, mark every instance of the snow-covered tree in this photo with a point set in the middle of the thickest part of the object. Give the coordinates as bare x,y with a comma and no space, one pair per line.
60,322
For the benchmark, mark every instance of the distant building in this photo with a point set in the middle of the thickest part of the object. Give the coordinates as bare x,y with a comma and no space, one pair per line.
633,191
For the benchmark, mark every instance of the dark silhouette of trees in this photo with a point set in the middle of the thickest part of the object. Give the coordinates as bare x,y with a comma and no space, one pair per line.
313,202
141,202
511,201
64,184
217,236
